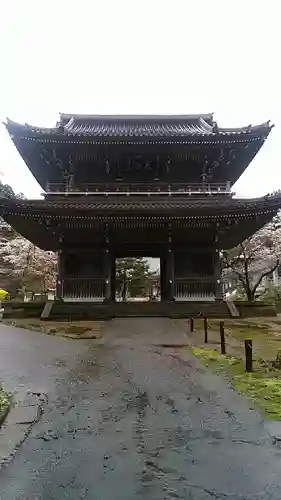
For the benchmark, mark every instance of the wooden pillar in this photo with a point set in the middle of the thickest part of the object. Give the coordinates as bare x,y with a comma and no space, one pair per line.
113,278
217,275
170,268
170,274
107,267
107,274
163,277
59,281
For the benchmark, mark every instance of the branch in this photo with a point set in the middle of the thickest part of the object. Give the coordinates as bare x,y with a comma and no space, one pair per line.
241,277
242,249
231,263
264,274
251,254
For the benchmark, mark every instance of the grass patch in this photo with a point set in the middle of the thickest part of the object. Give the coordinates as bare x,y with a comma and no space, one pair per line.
79,329
266,339
262,387
240,328
5,402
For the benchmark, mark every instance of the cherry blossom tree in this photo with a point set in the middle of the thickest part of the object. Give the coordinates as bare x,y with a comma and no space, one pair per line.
33,268
255,258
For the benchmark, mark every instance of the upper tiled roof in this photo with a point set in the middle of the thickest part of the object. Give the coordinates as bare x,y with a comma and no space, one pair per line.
138,126
124,129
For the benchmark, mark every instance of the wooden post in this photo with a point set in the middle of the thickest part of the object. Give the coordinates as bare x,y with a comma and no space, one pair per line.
217,275
107,274
170,275
60,274
206,330
191,325
113,278
249,355
223,351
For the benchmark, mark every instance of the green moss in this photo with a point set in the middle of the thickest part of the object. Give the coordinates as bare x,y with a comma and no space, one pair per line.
76,329
51,331
55,328
239,329
266,343
5,401
263,388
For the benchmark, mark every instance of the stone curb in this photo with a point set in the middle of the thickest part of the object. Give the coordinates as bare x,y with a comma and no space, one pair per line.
23,414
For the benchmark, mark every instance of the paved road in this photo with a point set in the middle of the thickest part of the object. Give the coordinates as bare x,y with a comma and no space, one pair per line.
129,420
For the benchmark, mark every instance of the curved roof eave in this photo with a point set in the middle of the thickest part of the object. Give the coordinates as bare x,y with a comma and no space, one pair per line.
216,207
140,126
22,129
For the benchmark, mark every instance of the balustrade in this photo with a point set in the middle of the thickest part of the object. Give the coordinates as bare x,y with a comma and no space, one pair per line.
93,289
187,290
155,188
83,289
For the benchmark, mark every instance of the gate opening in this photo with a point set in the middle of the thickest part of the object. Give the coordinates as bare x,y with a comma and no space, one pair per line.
137,279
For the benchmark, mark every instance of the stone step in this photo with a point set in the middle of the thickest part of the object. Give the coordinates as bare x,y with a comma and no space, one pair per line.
90,310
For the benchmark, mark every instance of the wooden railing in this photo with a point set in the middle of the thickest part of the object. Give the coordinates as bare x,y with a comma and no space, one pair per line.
93,289
187,290
80,288
154,187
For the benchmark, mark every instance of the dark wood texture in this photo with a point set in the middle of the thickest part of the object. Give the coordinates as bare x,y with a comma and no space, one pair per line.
248,355
83,149
205,330
150,186
222,336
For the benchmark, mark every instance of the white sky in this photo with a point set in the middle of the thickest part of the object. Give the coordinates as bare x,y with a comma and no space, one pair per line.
152,56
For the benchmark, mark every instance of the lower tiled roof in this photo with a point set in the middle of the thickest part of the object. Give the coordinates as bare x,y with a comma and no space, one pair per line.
43,221
165,204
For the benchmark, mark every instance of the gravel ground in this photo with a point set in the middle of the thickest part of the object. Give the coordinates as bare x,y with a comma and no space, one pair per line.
129,419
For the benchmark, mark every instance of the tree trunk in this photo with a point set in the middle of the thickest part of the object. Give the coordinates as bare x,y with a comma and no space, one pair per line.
250,295
249,291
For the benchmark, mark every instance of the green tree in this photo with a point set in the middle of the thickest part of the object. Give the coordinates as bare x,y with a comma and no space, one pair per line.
133,277
6,191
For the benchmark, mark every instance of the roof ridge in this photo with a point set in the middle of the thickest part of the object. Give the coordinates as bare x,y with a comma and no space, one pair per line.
65,117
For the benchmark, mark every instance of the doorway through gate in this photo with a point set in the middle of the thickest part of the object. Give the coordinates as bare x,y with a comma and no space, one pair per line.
137,279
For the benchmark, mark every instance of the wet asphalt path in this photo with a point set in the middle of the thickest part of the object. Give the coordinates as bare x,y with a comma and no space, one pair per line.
129,419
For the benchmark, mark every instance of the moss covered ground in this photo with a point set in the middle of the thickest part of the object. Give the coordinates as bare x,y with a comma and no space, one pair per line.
75,330
5,401
262,386
265,334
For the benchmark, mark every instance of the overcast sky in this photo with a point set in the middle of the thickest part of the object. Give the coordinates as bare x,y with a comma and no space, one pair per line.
142,57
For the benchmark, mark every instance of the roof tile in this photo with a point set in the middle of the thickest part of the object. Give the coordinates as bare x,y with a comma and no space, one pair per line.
199,205
138,127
